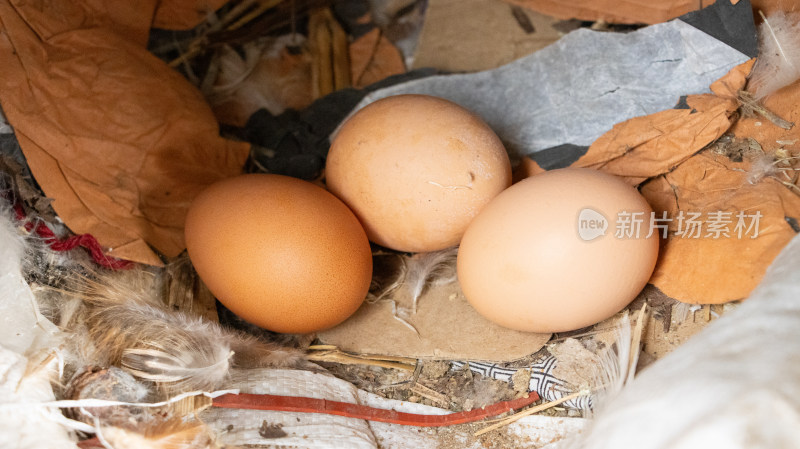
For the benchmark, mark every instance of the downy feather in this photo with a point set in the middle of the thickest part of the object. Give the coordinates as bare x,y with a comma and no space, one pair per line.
168,435
778,63
617,363
131,328
423,268
417,271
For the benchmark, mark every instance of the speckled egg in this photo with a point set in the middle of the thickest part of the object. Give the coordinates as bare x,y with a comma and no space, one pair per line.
416,170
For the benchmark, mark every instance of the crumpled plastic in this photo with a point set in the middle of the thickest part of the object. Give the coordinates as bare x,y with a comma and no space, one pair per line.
120,141
569,93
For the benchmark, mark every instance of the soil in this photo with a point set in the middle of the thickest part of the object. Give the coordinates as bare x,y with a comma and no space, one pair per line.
434,383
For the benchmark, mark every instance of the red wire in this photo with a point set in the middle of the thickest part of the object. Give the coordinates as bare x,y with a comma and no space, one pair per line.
86,241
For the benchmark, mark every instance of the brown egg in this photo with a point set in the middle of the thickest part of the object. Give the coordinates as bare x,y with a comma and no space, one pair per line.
416,169
280,252
558,251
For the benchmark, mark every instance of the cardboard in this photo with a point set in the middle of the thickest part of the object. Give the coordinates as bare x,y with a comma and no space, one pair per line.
472,35
449,328
373,58
120,141
184,14
631,11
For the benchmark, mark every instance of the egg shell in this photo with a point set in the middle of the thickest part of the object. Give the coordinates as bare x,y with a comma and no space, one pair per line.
416,170
279,252
537,259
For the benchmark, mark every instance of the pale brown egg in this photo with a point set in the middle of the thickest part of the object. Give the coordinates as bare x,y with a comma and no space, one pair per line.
558,251
416,170
279,252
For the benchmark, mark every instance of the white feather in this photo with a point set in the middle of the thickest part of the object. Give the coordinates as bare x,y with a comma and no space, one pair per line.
778,63
734,385
23,329
23,380
614,369
17,314
160,365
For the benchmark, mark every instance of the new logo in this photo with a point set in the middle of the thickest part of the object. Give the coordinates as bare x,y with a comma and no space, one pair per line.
591,224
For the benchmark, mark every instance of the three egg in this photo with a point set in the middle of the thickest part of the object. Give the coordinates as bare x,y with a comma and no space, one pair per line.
416,173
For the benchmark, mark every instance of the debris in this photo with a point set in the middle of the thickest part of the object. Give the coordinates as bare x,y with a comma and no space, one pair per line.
271,431
267,73
329,51
528,412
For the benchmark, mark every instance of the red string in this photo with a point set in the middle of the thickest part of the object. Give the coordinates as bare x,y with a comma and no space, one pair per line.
86,241
312,405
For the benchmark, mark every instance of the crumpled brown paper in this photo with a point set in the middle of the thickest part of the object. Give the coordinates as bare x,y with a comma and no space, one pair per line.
121,142
723,218
650,145
701,265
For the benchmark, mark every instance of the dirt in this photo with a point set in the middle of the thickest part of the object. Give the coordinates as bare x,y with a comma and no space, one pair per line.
659,342
433,383
577,366
462,436
271,431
